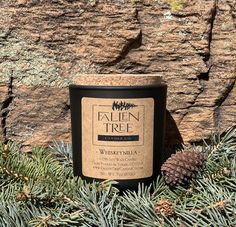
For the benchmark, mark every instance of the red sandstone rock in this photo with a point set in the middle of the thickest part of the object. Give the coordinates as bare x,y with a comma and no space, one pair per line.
45,44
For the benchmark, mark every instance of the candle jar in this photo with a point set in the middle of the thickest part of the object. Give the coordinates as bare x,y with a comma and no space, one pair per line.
118,123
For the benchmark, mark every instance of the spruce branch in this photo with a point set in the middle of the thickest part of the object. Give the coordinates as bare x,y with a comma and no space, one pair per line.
63,152
220,145
39,189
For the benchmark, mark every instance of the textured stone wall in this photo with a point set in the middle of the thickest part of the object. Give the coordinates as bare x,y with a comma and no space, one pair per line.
45,44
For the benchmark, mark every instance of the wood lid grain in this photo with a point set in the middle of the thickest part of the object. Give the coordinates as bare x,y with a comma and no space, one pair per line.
118,79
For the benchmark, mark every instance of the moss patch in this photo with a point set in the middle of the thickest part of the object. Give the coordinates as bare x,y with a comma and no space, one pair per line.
175,5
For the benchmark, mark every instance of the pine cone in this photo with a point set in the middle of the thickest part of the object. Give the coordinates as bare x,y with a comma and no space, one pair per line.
165,208
181,167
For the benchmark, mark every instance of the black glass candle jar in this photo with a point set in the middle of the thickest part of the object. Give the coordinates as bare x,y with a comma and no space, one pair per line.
118,126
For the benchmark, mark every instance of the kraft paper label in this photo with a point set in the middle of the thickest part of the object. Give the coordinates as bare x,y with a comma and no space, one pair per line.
117,138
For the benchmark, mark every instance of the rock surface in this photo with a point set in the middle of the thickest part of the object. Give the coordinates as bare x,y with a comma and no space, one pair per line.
45,44
42,116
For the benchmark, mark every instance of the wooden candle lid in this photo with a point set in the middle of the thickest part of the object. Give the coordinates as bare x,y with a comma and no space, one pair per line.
118,79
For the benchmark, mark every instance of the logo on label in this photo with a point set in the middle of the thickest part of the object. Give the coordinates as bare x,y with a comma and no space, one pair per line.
120,121
122,105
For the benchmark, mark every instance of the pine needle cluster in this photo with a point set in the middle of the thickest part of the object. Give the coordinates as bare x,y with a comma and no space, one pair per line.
39,189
